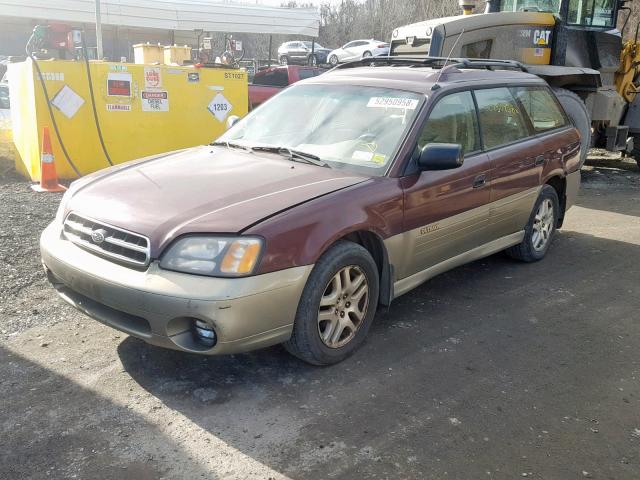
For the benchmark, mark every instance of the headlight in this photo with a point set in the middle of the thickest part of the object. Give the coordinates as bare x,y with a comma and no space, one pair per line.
62,207
213,256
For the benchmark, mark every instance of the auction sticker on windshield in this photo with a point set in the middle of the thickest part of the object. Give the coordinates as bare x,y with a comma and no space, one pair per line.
392,102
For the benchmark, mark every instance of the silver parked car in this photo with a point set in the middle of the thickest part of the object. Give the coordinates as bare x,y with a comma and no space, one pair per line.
302,53
358,49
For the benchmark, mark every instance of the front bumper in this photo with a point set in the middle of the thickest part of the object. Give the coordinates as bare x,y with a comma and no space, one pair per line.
160,306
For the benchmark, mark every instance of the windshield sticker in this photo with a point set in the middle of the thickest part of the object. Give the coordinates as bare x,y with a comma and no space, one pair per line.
379,158
391,102
362,156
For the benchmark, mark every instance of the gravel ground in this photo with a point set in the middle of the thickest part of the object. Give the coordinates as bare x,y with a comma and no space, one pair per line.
495,370
25,300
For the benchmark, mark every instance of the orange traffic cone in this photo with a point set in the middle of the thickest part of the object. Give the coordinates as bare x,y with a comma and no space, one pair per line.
48,175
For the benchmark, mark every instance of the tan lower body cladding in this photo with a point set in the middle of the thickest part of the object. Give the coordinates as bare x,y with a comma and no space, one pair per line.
424,252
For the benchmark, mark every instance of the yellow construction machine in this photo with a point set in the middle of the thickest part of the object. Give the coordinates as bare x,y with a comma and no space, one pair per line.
575,45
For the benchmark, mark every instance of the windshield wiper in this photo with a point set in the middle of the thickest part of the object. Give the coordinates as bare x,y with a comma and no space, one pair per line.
294,155
229,145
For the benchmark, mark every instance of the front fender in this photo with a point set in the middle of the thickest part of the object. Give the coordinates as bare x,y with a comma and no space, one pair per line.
300,235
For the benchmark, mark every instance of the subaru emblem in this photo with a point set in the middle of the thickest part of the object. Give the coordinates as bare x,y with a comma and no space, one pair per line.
97,236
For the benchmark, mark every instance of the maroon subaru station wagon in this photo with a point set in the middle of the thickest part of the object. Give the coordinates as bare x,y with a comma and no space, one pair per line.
338,195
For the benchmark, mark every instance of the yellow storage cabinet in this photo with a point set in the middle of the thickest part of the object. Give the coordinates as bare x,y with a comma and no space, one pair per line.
176,55
147,53
142,110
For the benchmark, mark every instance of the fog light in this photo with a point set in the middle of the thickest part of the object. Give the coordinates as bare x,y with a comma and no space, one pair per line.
204,333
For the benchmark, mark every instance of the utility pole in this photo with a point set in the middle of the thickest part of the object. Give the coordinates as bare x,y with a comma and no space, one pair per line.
100,53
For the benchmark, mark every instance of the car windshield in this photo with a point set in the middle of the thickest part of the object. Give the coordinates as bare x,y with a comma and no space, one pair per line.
345,126
593,13
549,6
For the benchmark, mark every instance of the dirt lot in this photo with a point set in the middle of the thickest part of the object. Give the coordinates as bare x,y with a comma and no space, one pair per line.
496,370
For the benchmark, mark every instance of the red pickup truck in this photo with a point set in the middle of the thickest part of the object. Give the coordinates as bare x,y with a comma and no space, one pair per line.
268,82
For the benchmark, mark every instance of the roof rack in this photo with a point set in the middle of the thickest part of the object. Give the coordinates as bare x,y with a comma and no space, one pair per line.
437,62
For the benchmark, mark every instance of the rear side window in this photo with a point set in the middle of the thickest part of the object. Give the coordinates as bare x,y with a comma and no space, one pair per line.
542,108
500,116
453,120
273,78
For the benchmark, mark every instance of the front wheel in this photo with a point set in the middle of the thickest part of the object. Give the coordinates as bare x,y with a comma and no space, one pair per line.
284,60
333,60
312,60
541,228
337,306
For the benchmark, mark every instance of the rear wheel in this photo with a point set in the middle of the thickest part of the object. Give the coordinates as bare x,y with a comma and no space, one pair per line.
541,228
577,111
312,60
337,306
366,54
284,60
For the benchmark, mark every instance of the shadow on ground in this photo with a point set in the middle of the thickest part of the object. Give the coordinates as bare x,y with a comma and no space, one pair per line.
492,370
54,428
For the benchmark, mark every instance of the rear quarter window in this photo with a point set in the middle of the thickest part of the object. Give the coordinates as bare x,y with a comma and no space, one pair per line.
501,118
541,107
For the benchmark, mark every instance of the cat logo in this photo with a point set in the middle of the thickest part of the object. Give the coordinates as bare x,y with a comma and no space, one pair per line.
541,37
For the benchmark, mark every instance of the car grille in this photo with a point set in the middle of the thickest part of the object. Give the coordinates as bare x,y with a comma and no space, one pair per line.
106,240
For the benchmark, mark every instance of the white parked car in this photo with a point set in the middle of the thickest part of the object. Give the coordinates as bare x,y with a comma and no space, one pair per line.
358,49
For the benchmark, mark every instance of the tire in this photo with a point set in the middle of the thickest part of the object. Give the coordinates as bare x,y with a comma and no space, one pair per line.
313,320
577,111
333,60
527,251
366,54
284,60
635,153
312,60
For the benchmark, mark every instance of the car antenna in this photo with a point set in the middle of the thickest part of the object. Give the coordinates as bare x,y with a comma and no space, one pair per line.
435,85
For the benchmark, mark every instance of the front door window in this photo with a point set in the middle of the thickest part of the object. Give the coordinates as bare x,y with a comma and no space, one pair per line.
453,120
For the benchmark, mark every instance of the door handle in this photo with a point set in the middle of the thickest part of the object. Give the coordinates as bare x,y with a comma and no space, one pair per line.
480,181
539,160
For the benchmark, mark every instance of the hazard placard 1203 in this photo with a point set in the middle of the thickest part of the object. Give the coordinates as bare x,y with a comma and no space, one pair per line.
155,101
220,107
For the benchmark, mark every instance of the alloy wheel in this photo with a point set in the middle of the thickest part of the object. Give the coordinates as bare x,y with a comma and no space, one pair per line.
343,306
543,225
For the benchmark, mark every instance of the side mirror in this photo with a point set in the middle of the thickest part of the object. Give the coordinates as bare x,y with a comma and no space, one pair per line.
441,156
232,120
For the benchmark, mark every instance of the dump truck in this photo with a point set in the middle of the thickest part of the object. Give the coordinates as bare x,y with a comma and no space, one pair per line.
573,44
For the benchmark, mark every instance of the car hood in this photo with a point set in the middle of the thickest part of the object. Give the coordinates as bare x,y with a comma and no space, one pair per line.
204,189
